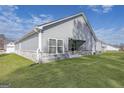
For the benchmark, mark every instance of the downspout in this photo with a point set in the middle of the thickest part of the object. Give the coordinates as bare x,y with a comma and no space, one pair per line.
40,41
39,50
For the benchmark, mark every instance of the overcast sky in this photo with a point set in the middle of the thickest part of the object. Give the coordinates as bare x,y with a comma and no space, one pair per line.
106,21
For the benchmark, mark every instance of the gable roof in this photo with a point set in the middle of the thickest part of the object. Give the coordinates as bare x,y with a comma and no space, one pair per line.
57,21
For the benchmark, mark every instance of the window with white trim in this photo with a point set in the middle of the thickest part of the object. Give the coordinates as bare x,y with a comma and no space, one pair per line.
60,46
52,45
56,46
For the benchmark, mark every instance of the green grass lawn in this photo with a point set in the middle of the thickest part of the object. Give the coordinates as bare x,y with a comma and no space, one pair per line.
105,70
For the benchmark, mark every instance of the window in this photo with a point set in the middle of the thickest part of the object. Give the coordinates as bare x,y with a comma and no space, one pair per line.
60,46
55,46
52,42
52,45
74,45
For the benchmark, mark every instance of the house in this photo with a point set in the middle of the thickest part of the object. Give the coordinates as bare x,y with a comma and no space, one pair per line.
10,47
99,46
2,43
64,38
108,47
103,47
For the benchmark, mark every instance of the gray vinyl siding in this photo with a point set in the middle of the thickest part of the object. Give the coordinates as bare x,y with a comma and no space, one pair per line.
74,28
83,32
29,44
62,31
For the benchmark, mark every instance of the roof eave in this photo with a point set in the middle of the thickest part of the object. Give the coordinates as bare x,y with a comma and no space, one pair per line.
89,26
35,30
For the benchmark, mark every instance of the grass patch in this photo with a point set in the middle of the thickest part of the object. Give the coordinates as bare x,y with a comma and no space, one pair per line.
104,70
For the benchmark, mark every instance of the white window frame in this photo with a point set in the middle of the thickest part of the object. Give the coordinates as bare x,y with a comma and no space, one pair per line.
60,46
56,46
51,46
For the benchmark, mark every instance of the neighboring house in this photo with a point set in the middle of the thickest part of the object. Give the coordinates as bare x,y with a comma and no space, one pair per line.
10,47
103,47
2,43
99,46
108,47
65,38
